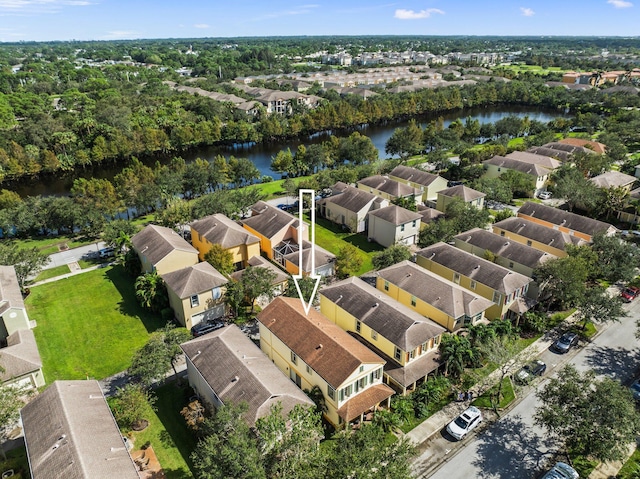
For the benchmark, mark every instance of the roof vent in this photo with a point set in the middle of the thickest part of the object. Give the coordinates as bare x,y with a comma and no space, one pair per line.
375,305
477,266
235,379
318,347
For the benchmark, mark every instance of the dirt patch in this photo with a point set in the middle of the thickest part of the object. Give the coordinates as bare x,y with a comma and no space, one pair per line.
63,247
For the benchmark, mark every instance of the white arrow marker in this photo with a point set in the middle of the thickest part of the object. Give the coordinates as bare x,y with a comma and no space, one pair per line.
312,251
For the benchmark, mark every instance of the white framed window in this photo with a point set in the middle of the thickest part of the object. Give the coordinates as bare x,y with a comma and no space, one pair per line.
331,393
374,335
456,278
497,297
414,301
195,301
472,285
358,326
397,353
216,293
294,358
386,285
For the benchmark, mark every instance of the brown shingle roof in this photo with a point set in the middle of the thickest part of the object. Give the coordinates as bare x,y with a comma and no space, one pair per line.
460,191
321,344
21,355
391,187
478,269
504,248
536,232
156,242
269,220
70,432
394,321
563,218
237,370
396,215
442,294
194,279
364,401
10,293
218,229
592,145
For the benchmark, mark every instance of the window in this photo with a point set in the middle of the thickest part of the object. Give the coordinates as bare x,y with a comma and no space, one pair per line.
497,297
401,227
358,326
362,382
413,225
377,374
361,369
528,242
501,233
195,301
456,278
309,372
510,264
386,285
331,393
413,301
472,285
412,354
374,335
216,293
294,358
397,353
348,391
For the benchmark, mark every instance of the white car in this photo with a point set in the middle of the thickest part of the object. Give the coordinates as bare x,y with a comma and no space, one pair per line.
544,195
465,422
561,471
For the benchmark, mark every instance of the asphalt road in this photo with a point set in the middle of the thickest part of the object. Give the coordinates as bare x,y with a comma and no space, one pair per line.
513,447
72,255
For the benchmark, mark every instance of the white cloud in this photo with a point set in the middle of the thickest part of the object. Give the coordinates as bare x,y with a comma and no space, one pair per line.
403,14
527,12
39,6
201,25
620,3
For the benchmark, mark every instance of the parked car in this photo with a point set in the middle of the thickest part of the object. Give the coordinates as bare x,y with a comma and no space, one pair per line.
465,422
205,327
629,294
544,195
565,343
105,253
635,389
561,471
529,371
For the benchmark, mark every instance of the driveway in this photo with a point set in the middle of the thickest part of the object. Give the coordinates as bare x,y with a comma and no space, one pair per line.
73,255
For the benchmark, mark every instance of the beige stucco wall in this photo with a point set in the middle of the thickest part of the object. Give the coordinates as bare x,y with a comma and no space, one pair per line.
13,320
388,234
182,307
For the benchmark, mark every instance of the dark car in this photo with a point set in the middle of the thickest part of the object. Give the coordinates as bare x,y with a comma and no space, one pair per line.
203,328
565,343
529,371
635,389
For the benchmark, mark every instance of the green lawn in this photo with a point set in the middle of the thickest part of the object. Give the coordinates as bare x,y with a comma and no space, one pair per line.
50,245
273,189
629,467
89,325
508,395
167,432
52,272
332,237
16,460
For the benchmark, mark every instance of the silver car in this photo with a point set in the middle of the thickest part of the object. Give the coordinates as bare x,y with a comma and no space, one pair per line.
561,471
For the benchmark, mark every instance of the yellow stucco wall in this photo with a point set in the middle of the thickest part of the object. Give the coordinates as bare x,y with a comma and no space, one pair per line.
241,253
494,312
183,310
172,262
280,354
443,201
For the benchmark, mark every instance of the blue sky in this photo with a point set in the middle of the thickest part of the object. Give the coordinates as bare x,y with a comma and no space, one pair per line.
120,19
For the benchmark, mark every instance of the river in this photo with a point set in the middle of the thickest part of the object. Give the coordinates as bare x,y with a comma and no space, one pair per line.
261,154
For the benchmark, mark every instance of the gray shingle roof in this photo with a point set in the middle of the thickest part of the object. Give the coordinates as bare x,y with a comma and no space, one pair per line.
21,356
396,322
260,262
613,179
517,165
541,234
70,433
321,344
156,242
535,159
322,257
351,199
503,247
442,294
218,229
269,220
428,214
10,293
391,187
194,279
460,191
542,150
571,149
563,218
237,370
396,215
478,269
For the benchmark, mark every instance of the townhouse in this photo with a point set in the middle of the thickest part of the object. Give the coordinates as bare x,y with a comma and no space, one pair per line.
428,183
162,250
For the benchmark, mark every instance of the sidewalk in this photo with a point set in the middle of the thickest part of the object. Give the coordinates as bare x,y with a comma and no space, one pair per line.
68,275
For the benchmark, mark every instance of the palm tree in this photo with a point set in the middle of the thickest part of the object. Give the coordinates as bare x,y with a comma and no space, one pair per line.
151,291
456,353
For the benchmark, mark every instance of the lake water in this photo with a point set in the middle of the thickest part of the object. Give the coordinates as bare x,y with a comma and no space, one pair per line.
261,154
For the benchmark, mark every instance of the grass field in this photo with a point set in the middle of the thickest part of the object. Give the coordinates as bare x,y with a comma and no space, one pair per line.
508,395
89,325
51,245
167,432
332,237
